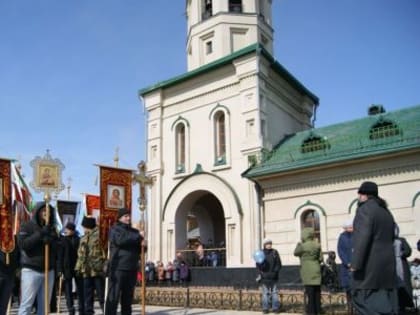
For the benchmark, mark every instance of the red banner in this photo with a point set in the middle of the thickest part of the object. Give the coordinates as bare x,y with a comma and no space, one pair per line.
7,243
115,193
93,205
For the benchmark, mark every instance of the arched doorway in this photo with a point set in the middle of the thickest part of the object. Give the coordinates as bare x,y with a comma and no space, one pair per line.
200,220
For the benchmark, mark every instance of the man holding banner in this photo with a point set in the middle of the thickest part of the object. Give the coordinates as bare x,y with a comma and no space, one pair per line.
125,242
32,238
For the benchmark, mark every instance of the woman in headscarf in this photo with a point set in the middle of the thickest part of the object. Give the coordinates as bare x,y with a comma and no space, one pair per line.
309,252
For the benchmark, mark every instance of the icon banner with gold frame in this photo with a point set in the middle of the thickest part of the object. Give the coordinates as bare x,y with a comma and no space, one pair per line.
115,193
47,176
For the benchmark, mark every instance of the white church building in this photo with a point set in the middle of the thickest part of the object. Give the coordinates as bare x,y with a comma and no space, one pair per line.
215,138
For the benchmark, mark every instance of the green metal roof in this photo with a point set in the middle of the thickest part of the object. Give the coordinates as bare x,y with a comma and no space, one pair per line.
255,48
342,142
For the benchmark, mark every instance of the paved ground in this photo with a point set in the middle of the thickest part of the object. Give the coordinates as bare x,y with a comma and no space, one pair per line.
159,310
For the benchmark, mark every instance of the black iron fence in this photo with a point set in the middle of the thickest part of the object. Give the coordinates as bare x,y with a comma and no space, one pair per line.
231,299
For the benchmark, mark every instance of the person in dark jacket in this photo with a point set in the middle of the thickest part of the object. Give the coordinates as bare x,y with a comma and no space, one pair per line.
344,249
268,272
125,245
373,259
66,265
9,262
32,238
402,251
310,255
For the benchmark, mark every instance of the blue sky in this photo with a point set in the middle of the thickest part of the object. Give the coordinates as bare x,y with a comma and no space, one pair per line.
70,70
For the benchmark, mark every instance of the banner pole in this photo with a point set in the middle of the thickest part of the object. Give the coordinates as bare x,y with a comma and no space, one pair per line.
108,268
47,254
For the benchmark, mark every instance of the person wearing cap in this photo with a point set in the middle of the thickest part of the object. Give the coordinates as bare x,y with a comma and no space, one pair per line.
268,272
373,259
90,265
344,250
310,256
66,266
33,236
125,245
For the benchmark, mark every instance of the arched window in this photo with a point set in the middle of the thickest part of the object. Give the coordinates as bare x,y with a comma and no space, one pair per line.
180,148
220,137
235,6
207,9
310,218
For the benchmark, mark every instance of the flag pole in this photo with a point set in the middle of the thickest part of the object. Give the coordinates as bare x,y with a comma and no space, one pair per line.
108,268
47,199
143,180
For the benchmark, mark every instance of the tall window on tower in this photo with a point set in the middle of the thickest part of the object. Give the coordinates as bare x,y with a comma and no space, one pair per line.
235,6
207,9
180,148
220,134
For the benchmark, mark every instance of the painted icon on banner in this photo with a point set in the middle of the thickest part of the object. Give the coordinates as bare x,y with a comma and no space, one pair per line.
48,176
115,196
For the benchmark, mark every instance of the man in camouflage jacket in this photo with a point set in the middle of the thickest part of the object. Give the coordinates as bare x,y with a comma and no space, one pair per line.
90,264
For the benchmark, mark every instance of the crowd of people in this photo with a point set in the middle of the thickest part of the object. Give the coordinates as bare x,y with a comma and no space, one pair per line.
375,272
43,258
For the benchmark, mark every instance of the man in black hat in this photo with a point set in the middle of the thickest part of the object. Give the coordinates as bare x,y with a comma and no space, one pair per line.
373,260
66,264
125,243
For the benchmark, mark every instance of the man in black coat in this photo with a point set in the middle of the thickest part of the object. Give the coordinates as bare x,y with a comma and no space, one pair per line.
32,238
125,244
373,259
66,264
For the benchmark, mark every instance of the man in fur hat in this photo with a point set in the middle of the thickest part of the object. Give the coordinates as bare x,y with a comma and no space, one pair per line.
373,258
90,264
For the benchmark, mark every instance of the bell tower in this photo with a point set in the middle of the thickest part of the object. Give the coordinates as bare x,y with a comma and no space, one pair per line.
218,28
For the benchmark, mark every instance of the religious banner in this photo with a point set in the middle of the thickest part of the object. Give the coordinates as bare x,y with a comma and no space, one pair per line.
93,205
67,210
7,243
115,193
47,174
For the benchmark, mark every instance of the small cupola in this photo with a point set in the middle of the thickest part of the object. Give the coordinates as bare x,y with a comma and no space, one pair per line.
376,109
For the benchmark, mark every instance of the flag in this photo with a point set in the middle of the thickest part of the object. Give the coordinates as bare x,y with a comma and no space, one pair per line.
92,205
22,201
67,212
